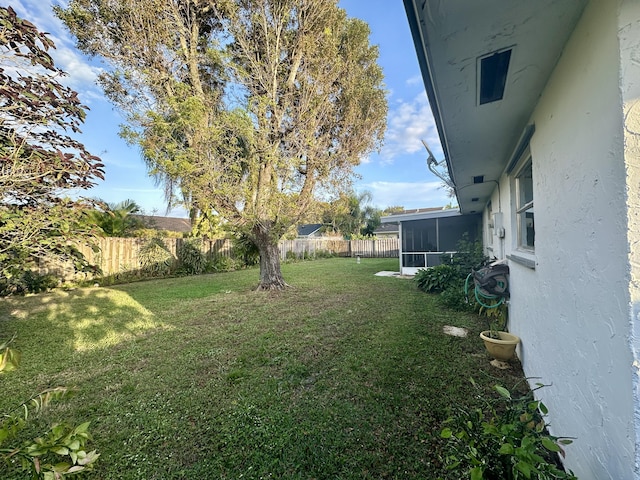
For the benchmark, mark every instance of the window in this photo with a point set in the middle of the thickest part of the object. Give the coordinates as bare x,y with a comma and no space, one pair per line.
490,226
524,206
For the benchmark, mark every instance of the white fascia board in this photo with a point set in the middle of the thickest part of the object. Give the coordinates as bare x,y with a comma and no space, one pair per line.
405,217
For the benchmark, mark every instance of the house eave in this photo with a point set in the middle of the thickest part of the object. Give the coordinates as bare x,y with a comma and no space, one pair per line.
451,39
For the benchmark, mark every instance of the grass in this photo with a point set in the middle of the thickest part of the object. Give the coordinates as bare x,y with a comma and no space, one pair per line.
344,376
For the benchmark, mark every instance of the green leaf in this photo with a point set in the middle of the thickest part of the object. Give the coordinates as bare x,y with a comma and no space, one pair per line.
550,444
524,468
527,441
446,433
506,449
503,392
477,473
61,467
82,428
91,457
35,451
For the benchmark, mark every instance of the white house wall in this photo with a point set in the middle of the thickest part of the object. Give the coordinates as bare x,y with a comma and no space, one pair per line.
629,38
573,309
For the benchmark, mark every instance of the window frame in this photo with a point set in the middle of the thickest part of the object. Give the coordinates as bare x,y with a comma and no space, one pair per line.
490,225
524,204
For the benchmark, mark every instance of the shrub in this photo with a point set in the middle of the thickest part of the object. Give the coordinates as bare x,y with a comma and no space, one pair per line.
155,258
469,256
291,256
437,279
508,440
246,251
36,283
190,257
27,282
453,297
59,452
223,264
448,278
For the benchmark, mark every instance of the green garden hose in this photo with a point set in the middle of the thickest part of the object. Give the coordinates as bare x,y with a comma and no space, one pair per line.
479,294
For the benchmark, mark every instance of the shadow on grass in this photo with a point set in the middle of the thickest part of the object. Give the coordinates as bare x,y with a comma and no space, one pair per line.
78,320
67,337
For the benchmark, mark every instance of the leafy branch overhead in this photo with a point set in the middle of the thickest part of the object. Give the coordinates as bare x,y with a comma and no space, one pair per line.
39,161
248,109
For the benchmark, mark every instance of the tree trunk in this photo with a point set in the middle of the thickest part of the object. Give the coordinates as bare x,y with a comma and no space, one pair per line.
270,273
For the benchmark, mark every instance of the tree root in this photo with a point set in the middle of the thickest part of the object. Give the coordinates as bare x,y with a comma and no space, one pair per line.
273,287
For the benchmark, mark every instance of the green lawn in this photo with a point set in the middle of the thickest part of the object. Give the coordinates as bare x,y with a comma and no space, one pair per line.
344,376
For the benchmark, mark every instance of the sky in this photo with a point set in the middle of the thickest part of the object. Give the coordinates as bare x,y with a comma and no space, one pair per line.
397,175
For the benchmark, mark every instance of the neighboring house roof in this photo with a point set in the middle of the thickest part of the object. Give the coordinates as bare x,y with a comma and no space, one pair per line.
456,42
308,229
387,228
171,224
420,214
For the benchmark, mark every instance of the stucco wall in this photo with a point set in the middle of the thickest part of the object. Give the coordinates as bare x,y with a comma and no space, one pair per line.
572,311
629,38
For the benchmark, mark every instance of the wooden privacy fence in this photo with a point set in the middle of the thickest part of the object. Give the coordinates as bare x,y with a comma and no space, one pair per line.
118,255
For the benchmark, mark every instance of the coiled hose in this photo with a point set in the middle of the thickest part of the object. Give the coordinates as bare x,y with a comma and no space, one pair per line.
478,294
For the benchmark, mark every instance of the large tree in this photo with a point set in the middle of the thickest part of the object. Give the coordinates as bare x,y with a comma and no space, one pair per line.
39,161
247,108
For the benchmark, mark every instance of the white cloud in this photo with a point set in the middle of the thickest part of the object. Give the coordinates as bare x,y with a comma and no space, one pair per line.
415,80
81,73
408,123
407,194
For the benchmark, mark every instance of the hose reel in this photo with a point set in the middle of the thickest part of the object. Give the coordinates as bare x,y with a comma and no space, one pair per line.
489,283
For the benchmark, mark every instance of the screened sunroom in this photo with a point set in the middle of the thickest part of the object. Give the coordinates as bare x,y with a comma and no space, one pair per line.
426,235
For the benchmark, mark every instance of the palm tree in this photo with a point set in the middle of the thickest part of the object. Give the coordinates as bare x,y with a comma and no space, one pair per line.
351,215
117,219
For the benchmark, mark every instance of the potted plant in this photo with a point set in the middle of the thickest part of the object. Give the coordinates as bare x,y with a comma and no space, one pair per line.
500,344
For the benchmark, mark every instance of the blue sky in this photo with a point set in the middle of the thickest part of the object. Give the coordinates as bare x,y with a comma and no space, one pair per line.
397,175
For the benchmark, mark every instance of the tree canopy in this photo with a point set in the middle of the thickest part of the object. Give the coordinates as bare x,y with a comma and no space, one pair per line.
246,108
39,161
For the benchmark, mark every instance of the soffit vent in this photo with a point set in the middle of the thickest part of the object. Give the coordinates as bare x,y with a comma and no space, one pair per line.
493,76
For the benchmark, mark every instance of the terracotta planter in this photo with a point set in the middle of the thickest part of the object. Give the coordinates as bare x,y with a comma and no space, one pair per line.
503,348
